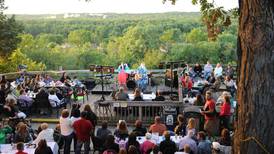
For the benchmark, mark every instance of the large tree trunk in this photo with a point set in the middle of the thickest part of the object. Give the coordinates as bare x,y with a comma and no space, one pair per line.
255,93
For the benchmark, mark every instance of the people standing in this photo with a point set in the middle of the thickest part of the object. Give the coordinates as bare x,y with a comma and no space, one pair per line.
83,129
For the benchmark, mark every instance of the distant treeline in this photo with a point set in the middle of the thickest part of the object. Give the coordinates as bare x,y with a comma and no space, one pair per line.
75,43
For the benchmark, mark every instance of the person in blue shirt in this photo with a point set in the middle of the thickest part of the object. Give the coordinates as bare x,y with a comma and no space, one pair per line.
142,77
204,146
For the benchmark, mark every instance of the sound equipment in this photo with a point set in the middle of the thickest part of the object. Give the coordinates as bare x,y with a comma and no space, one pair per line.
131,84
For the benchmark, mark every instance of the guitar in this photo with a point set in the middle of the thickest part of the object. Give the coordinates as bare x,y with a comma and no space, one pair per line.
137,76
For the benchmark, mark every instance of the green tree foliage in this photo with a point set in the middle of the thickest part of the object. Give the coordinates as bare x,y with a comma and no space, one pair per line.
18,58
215,18
196,35
77,43
9,30
79,37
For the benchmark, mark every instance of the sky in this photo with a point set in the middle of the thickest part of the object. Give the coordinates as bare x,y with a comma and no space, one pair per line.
104,6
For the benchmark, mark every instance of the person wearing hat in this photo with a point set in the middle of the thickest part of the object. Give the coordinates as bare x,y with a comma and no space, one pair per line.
148,144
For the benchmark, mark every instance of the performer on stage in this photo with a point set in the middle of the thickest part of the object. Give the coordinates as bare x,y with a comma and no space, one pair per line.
141,77
123,66
122,76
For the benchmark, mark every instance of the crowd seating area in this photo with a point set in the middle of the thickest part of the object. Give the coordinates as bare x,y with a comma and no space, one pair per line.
200,123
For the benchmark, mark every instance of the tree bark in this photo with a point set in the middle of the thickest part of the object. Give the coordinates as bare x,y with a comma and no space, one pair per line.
255,93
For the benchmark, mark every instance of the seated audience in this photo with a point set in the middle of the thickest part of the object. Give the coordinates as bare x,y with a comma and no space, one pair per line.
211,78
22,134
137,95
229,71
110,144
230,85
54,100
139,129
133,150
76,81
159,97
207,70
167,146
148,144
186,85
2,96
23,96
20,148
83,129
180,128
4,133
188,140
103,132
121,95
46,134
132,141
218,71
42,98
187,149
64,77
204,146
225,138
122,151
121,131
157,127
3,80
198,70
191,125
43,148
47,79
12,110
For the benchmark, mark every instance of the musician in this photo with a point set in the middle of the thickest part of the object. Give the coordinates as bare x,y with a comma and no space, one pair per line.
122,75
141,77
123,66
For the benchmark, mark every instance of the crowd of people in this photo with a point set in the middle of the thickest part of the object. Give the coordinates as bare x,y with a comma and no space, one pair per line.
79,127
37,92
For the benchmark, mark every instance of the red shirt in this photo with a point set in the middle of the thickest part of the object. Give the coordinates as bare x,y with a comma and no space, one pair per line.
225,109
21,152
82,129
185,84
209,105
157,128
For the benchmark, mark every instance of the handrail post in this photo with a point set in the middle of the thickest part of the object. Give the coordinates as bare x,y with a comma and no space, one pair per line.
140,112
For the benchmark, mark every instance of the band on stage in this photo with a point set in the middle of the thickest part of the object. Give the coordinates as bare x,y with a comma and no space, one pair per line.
131,79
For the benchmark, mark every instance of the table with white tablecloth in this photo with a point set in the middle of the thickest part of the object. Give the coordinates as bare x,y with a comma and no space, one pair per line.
159,139
9,149
146,97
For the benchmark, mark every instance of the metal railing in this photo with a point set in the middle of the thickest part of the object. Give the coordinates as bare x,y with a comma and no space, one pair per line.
113,111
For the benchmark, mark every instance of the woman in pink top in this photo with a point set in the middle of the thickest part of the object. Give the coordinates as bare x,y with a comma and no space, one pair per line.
225,113
147,144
